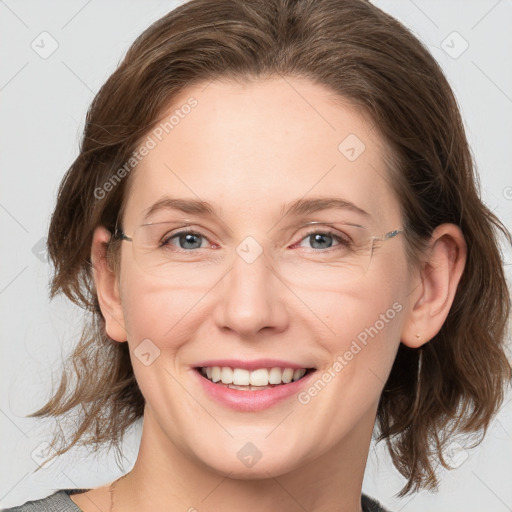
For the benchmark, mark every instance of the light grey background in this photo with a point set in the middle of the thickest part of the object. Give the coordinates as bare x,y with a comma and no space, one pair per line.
43,106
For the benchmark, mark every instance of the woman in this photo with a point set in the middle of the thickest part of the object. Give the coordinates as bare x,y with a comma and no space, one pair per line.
274,223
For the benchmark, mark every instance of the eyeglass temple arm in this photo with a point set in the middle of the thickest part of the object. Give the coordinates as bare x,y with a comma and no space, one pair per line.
392,234
119,233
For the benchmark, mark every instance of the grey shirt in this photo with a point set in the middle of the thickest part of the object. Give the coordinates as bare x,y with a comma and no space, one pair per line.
61,502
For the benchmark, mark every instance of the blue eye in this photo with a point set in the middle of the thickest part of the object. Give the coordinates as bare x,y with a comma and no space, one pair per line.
325,240
320,241
187,240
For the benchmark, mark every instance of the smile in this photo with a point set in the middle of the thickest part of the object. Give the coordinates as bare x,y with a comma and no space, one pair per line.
251,390
252,380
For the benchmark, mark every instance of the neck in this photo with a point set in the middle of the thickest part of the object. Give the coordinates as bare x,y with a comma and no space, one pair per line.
166,478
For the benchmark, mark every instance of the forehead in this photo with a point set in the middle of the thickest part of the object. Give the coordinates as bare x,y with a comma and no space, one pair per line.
249,148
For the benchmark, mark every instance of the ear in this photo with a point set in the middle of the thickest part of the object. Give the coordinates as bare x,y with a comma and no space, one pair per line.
435,285
107,286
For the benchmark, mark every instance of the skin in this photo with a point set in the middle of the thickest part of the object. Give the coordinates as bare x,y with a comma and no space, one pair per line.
247,149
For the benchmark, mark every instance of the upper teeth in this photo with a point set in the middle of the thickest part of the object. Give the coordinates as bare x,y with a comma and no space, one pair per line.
259,377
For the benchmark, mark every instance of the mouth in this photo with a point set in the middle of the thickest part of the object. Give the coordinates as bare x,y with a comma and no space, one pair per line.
258,379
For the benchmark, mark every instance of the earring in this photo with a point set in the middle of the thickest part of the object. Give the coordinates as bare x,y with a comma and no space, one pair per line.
416,405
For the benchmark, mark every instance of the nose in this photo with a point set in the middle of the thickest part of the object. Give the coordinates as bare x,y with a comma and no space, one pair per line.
252,298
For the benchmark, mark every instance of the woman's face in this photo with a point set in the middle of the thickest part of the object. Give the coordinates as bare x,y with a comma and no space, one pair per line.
255,287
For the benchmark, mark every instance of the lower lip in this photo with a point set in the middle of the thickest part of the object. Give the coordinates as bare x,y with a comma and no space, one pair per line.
247,401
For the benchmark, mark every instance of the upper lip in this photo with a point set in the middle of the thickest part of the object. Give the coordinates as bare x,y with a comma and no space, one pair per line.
251,365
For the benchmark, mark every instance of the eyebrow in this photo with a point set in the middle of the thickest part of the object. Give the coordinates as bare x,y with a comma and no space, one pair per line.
315,204
299,207
192,206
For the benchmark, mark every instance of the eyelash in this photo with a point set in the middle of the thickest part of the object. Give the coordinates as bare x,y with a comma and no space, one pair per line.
344,241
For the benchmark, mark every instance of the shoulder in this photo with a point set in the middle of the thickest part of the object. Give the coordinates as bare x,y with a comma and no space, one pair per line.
371,505
59,501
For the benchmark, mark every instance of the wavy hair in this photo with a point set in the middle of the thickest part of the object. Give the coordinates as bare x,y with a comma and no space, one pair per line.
369,59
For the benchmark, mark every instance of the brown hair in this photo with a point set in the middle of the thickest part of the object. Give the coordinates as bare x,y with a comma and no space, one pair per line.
368,58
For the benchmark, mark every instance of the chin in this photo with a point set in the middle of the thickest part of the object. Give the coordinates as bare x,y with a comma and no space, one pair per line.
261,470
245,461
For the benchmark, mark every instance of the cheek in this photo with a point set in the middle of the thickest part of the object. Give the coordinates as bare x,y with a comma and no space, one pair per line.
158,324
359,355
365,324
156,311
